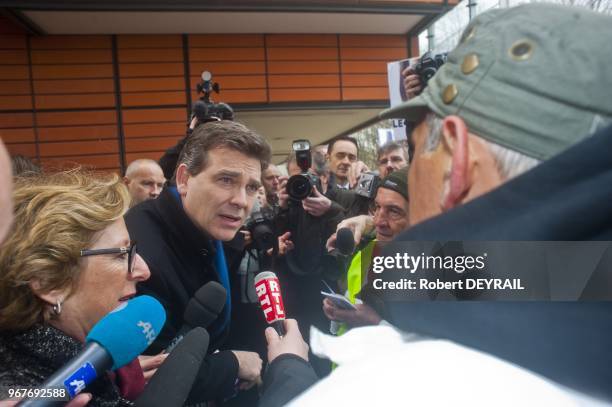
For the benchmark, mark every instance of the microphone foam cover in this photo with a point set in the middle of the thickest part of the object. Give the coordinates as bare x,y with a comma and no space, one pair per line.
205,305
345,241
129,329
171,384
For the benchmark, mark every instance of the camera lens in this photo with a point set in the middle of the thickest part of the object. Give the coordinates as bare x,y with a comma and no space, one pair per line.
299,187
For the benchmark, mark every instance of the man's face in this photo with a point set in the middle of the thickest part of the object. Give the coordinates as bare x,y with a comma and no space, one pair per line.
221,196
270,179
391,214
391,161
146,183
342,156
6,192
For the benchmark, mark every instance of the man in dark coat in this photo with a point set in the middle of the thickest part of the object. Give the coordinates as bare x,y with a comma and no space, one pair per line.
180,236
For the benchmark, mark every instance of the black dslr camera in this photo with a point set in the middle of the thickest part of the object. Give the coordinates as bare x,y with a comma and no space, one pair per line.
428,65
262,228
367,185
204,109
300,186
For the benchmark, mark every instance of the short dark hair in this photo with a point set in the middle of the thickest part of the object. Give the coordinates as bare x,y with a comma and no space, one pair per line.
330,145
224,133
391,146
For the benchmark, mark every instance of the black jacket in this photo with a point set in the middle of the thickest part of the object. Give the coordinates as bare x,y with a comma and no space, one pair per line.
565,198
286,377
181,260
28,358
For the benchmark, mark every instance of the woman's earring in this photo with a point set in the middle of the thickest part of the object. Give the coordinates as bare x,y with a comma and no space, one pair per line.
57,308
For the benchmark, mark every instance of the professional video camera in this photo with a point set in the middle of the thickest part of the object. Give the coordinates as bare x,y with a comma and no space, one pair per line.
206,110
262,228
428,65
300,186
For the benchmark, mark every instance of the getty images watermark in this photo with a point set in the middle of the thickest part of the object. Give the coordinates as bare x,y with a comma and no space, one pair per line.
564,271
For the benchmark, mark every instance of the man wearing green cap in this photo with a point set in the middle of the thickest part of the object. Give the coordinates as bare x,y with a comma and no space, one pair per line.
512,142
390,219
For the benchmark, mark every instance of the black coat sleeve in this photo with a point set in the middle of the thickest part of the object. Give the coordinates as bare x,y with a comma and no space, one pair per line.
216,378
287,376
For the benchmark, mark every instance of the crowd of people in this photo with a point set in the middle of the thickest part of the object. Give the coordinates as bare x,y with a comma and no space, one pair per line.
510,141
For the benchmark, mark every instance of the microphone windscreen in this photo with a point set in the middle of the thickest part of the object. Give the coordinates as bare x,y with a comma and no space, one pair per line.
171,384
345,241
268,292
129,329
205,305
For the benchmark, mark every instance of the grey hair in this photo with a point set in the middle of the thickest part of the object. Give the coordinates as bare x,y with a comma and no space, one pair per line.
509,163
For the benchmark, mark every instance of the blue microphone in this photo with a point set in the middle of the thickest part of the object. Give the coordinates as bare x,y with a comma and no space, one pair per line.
113,342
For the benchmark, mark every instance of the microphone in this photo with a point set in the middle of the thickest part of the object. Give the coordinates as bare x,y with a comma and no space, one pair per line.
171,384
270,299
345,241
113,342
201,310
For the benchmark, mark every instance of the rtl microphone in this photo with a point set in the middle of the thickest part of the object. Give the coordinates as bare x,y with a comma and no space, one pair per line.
171,384
201,310
345,241
113,342
270,299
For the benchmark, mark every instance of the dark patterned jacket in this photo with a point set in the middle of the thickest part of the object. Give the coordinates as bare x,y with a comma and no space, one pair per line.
28,358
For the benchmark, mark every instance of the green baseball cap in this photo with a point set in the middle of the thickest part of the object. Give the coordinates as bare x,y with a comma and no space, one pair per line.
535,78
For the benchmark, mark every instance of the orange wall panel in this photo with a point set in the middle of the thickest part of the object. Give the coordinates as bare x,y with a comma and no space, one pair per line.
359,40
153,98
76,118
14,72
150,144
78,148
301,40
297,95
15,102
151,84
151,55
151,69
226,40
302,54
42,87
303,81
154,129
15,88
76,133
13,120
28,150
228,68
76,101
154,115
13,41
72,71
81,56
226,54
379,67
70,41
374,93
149,41
385,54
279,67
11,57
17,135
244,96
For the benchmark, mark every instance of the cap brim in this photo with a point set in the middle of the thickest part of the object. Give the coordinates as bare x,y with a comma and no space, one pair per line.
413,110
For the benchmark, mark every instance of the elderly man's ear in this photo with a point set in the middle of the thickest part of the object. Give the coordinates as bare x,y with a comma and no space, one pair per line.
473,168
